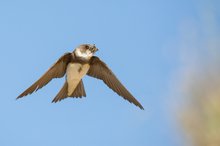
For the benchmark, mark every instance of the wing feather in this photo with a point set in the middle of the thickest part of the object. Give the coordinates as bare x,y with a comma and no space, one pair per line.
57,70
100,70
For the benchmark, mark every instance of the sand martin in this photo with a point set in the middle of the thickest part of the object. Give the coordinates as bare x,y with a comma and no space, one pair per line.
75,66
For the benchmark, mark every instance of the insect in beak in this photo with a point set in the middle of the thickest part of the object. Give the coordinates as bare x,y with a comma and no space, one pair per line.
93,49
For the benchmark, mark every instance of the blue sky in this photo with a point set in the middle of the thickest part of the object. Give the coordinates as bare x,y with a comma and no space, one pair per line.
136,38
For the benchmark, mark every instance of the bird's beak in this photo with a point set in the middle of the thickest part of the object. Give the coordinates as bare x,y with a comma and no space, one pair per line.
93,50
96,49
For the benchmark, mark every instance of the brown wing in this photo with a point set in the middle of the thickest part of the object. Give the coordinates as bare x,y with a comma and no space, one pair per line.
100,70
79,92
58,70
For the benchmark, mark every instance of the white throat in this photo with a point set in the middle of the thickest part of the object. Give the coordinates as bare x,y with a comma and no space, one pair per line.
86,55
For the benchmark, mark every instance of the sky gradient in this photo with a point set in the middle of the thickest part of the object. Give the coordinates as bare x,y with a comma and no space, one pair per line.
138,39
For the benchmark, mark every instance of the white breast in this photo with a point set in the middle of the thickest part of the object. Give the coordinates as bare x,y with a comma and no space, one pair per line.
86,55
75,72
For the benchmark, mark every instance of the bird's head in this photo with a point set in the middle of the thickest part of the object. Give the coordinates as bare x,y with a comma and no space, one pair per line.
85,51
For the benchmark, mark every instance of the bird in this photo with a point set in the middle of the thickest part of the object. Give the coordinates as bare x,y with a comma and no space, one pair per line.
75,65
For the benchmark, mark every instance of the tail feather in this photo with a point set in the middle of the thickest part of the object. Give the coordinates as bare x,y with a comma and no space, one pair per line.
78,92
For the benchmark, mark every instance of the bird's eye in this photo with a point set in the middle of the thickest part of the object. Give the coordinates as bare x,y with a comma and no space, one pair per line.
87,47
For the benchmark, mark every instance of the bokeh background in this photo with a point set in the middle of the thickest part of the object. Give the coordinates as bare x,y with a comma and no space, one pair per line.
165,52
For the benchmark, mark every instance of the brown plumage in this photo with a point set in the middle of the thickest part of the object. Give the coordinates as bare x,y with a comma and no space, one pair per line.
58,70
100,70
75,65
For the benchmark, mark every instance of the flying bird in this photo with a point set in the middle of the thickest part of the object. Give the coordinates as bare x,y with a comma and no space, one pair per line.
75,66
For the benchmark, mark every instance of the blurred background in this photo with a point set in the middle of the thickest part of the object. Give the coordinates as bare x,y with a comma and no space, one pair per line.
165,52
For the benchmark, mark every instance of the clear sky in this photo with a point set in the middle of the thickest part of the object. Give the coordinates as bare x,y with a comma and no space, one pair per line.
136,38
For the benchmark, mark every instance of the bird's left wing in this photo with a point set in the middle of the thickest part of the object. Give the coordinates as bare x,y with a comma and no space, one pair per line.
100,70
58,70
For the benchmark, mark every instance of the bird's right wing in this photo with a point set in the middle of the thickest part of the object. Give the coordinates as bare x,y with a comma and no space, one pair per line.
100,70
57,70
